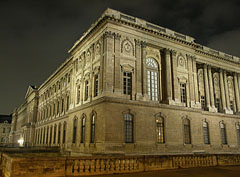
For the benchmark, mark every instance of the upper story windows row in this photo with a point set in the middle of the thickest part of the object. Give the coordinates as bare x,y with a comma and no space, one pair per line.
59,85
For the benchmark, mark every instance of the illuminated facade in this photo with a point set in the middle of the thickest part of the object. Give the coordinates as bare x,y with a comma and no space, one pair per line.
133,87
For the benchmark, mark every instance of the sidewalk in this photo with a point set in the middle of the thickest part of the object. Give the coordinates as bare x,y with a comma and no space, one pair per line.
223,171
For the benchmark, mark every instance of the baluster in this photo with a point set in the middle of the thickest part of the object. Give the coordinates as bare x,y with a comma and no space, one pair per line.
117,165
121,165
81,167
97,166
93,167
112,165
102,166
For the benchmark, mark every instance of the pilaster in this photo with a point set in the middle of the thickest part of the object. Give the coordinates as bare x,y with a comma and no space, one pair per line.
117,48
175,79
212,100
228,109
206,85
236,92
196,91
143,64
168,75
223,98
138,69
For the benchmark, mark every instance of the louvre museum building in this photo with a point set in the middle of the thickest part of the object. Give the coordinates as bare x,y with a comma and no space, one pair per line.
133,87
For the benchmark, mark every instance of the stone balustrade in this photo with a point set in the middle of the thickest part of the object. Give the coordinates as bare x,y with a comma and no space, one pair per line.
30,165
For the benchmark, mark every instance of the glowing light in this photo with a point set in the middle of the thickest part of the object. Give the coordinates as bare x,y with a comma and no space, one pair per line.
20,142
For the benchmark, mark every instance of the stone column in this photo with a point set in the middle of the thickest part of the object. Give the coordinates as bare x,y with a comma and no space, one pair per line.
108,62
236,92
117,72
239,82
212,100
223,98
191,82
226,91
175,78
168,75
138,69
206,85
144,74
196,91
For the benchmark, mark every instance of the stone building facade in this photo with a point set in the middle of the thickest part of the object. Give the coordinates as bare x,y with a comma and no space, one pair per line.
132,87
5,128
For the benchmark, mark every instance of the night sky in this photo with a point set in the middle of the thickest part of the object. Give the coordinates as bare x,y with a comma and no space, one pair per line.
36,35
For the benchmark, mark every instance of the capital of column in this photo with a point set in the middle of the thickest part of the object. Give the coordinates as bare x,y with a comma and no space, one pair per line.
143,44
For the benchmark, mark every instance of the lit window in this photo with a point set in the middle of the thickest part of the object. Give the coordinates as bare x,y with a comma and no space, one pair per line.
96,85
187,134
183,92
152,78
83,129
223,133
93,128
127,83
206,133
128,128
160,130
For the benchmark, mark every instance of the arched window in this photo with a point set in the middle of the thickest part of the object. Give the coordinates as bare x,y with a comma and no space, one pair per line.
187,133
59,133
238,132
74,130
64,132
93,119
83,128
96,85
160,130
128,128
206,133
68,99
152,78
223,133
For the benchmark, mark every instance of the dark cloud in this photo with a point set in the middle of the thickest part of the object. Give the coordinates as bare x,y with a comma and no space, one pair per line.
35,35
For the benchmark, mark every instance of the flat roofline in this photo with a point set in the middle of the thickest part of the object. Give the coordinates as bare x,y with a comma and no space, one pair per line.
153,27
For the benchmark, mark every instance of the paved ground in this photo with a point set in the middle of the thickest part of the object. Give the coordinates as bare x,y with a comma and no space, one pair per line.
228,171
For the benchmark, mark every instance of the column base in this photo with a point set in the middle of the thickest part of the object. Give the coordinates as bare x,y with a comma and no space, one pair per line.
212,109
228,111
195,105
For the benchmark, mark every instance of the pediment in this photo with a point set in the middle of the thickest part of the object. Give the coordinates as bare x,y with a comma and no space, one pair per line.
30,90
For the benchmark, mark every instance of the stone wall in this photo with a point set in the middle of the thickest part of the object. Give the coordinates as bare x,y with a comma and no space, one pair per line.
36,166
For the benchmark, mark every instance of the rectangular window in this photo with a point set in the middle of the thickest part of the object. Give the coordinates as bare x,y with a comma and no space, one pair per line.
127,83
206,133
183,92
203,102
67,102
128,128
83,130
217,103
64,133
59,133
96,85
223,135
231,105
54,134
160,132
50,138
238,133
78,94
86,90
74,131
62,105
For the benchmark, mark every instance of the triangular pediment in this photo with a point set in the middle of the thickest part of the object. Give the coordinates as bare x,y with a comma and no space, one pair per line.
30,90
